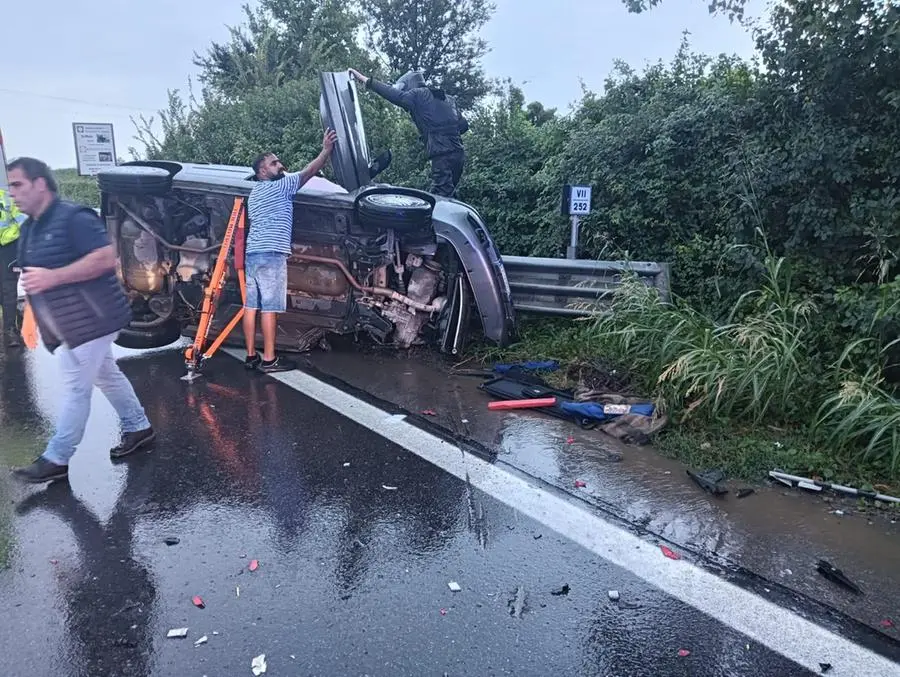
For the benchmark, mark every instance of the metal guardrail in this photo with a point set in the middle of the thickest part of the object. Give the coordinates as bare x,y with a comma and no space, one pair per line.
549,286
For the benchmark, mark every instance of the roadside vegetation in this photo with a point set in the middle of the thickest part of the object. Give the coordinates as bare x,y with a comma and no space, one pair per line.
770,185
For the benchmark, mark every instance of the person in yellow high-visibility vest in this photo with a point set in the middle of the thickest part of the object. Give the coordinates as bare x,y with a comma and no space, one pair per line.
10,220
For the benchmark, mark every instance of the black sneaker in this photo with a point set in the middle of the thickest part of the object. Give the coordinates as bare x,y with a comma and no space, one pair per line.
278,364
131,442
252,362
40,471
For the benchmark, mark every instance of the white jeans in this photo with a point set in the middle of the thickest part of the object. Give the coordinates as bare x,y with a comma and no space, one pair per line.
91,364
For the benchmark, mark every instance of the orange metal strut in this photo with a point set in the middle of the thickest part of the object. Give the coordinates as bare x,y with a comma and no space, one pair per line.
194,355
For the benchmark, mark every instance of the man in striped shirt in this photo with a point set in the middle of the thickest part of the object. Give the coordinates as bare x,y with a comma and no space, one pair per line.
271,214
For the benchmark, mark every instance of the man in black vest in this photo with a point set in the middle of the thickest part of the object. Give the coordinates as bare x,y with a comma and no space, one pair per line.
438,120
69,275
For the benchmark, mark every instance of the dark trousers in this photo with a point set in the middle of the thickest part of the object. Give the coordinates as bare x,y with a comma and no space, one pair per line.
446,172
8,282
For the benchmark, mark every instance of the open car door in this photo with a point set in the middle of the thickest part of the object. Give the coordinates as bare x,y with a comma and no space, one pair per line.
339,109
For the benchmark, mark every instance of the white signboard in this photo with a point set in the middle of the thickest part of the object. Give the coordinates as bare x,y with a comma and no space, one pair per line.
95,147
580,201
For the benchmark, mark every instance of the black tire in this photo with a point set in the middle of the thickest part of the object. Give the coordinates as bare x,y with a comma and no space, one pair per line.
155,337
130,180
401,209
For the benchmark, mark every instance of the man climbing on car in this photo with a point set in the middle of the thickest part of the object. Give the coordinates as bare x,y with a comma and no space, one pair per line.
270,210
438,120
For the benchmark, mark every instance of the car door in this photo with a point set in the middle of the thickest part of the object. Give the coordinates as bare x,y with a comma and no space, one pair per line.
339,109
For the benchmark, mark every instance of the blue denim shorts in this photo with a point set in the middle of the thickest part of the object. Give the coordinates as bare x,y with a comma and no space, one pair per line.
266,282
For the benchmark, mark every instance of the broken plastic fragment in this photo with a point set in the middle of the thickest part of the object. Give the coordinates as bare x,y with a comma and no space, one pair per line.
258,665
429,412
443,612
570,440
171,540
387,488
887,623
837,576
564,590
346,465
669,553
580,484
202,640
684,653
237,591
825,667
254,565
54,561
177,633
454,586
198,602
614,595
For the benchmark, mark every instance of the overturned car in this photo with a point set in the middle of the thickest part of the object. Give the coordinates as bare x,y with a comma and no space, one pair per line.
401,266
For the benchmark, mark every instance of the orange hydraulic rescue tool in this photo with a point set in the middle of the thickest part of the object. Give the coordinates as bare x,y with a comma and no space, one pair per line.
195,356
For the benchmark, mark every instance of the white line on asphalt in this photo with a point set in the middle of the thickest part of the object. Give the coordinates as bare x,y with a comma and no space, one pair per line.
775,627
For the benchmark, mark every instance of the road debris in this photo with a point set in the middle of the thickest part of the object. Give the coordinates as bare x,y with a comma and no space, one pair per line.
887,623
198,602
258,665
580,484
536,365
171,540
454,586
346,465
443,612
614,595
388,488
787,572
564,590
835,575
429,412
254,565
517,603
744,493
54,561
825,667
177,633
669,553
570,440
532,403
538,537
237,591
202,640
840,513
710,481
684,653
817,485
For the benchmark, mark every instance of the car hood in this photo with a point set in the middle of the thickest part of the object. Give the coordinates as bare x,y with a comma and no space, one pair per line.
339,110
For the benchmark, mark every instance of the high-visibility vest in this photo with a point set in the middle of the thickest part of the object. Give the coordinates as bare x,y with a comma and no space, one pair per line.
10,218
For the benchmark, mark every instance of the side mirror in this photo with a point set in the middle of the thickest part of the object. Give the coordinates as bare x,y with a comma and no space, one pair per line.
380,164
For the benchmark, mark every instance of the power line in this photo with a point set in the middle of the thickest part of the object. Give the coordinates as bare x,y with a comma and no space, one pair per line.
69,100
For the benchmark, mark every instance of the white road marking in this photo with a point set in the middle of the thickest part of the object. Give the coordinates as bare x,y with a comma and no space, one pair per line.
775,627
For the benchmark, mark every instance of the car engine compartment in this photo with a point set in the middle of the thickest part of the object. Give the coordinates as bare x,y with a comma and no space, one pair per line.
399,288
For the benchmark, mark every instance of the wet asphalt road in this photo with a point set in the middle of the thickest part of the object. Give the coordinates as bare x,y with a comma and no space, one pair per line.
353,574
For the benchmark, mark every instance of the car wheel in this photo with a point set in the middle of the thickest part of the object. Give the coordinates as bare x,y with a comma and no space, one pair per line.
400,209
128,180
154,337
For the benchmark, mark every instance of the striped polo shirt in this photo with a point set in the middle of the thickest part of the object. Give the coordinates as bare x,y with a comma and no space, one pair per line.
271,212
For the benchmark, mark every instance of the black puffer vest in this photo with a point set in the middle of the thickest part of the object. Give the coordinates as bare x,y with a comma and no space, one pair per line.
82,311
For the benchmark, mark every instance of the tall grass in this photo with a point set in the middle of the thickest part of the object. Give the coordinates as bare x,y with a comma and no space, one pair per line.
754,367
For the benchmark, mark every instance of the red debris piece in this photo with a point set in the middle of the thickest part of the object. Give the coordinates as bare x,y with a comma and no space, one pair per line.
443,612
198,602
580,484
684,653
254,565
571,440
669,553
887,623
429,412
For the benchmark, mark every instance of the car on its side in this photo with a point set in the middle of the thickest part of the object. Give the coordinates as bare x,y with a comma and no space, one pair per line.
402,266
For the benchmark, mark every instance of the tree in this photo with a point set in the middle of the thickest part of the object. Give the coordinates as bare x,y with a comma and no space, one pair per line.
438,37
283,40
734,9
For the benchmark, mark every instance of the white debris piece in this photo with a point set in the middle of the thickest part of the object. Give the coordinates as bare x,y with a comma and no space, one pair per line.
388,488
454,586
202,640
346,465
258,665
177,633
614,595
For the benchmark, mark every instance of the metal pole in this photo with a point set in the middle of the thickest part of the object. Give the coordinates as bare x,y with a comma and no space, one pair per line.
572,249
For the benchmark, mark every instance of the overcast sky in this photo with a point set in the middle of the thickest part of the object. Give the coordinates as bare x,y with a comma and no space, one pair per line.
107,60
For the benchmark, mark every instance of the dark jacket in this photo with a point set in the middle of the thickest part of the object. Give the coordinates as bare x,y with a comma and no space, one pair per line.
434,113
74,313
